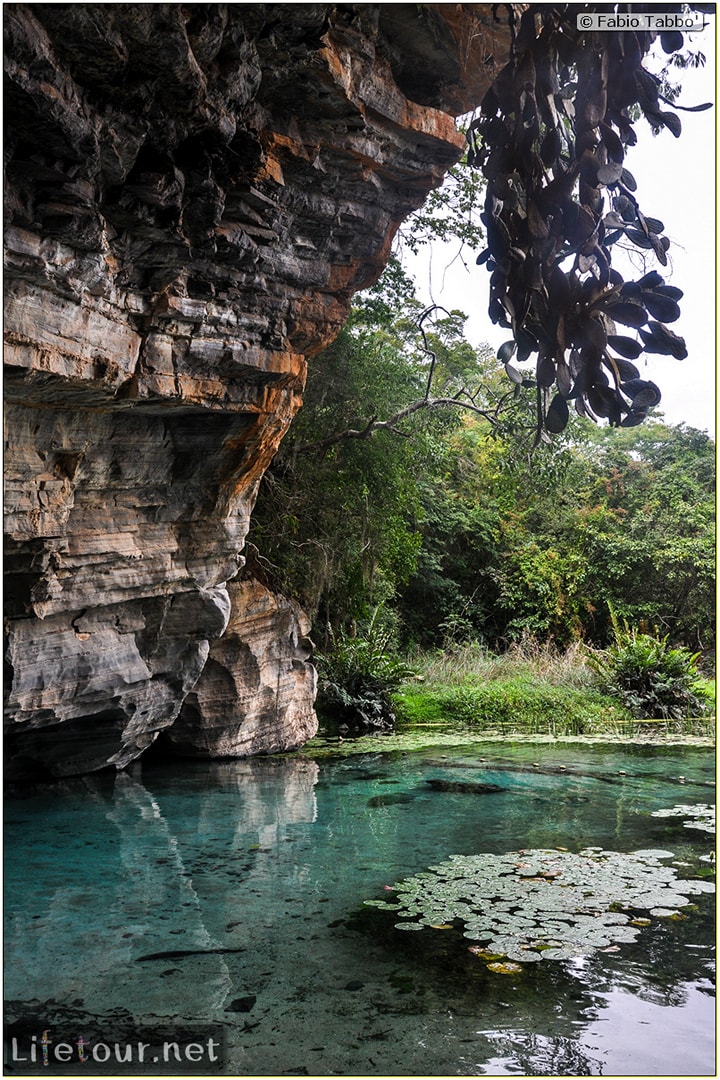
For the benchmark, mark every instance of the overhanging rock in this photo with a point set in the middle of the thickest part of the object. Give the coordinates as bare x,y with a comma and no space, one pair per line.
194,193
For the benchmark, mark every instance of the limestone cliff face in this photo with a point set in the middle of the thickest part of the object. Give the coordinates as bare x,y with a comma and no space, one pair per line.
257,689
193,195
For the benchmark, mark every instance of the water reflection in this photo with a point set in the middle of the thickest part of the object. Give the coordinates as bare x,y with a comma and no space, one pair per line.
182,894
523,1053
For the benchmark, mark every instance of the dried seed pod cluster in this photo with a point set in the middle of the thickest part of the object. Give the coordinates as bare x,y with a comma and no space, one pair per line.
551,139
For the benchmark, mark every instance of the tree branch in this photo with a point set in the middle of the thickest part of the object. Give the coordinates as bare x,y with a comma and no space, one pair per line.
426,402
390,424
431,353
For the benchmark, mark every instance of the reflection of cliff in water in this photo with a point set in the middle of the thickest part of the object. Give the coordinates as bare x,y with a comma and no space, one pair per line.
232,893
272,793
157,881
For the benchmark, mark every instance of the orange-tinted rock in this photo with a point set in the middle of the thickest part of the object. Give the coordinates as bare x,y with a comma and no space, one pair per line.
193,195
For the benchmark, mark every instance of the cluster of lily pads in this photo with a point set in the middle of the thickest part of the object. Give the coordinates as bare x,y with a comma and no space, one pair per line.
699,815
532,905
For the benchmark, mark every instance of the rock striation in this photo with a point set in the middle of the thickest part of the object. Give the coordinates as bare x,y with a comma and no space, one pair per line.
193,195
256,692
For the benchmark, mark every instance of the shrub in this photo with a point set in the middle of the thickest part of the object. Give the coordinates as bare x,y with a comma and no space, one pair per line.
356,677
651,678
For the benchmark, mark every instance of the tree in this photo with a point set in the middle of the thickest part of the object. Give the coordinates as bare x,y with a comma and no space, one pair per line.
338,511
445,518
602,520
477,535
648,532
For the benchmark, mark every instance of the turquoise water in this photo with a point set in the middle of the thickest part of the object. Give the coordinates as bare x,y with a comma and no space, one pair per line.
230,894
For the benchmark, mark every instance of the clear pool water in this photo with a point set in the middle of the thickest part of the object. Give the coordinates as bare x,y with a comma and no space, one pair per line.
229,896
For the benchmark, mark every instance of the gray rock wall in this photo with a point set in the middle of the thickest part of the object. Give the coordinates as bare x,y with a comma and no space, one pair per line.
193,194
256,691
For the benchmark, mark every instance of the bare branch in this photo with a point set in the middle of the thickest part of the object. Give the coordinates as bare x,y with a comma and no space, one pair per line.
427,402
390,425
431,353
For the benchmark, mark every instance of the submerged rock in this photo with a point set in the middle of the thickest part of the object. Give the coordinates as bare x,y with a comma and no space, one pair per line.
242,1004
391,799
464,787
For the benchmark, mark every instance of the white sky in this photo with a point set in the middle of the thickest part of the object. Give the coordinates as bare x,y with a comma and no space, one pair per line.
676,182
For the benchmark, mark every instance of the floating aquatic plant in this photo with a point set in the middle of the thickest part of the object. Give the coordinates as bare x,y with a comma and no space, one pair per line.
526,906
701,816
506,968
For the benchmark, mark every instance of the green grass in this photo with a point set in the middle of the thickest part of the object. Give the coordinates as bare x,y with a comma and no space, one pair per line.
520,704
474,662
530,689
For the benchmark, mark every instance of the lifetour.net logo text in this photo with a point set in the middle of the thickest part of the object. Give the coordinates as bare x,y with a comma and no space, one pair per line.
49,1052
657,22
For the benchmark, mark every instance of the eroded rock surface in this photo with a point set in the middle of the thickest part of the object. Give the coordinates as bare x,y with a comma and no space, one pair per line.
257,689
193,195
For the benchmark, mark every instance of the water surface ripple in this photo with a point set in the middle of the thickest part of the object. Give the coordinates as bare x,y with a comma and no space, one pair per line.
232,892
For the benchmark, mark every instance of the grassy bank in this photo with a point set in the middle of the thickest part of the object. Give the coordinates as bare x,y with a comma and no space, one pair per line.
527,690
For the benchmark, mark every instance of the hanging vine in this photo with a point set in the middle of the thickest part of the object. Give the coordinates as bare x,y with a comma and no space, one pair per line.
551,140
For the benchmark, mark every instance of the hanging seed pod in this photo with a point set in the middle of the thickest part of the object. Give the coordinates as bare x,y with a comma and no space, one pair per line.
545,371
625,369
564,379
628,314
557,416
658,339
553,137
661,307
626,346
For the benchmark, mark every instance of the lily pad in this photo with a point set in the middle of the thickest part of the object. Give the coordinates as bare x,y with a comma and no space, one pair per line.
699,815
528,906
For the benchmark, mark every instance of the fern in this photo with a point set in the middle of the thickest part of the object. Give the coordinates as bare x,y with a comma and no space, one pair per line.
356,677
651,678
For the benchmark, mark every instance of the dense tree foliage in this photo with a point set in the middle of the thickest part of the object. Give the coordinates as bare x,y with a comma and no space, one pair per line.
453,522
417,478
338,514
606,522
